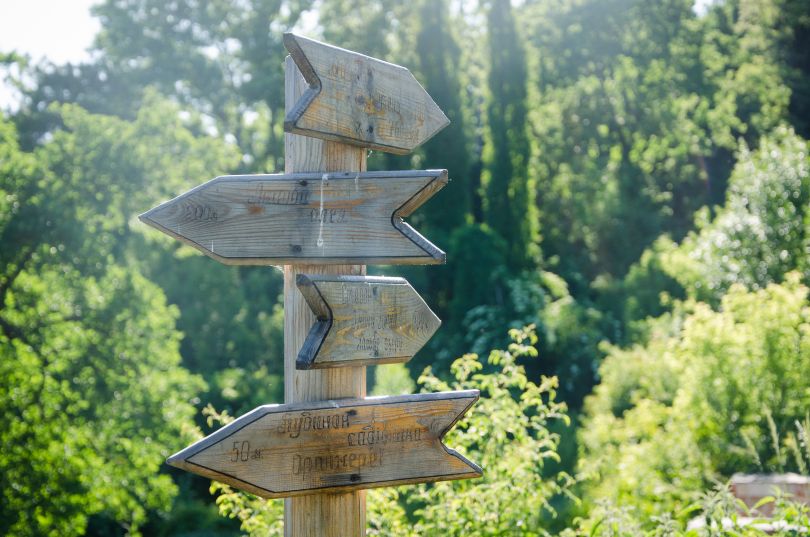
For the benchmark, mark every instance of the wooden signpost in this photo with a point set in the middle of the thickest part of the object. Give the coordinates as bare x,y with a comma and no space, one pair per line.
363,320
334,218
279,451
323,220
359,100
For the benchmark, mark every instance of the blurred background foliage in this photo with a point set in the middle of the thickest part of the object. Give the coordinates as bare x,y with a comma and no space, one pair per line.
629,178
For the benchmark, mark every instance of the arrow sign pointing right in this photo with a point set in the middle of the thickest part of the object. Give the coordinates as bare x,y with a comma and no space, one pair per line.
330,218
278,451
359,100
363,320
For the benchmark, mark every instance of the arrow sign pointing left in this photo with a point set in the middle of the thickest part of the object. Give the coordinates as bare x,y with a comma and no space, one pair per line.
360,100
363,320
278,451
329,218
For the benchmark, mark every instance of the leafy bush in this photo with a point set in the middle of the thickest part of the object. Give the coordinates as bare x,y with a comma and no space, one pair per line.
705,397
717,513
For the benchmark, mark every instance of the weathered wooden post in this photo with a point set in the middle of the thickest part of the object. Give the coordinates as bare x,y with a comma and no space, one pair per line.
324,220
317,514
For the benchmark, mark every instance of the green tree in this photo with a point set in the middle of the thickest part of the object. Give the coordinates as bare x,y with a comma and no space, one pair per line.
510,205
447,217
638,110
793,23
617,155
231,314
91,368
90,380
439,56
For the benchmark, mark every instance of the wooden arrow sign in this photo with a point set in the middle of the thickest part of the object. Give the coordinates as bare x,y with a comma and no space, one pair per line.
363,320
277,451
329,218
359,100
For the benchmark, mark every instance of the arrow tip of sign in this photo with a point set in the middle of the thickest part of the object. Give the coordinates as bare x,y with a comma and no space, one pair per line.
435,120
176,460
152,218
146,217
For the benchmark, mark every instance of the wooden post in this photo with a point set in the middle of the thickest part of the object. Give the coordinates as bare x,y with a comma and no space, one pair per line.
327,515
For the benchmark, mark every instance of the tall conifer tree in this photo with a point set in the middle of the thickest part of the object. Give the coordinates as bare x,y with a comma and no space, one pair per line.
439,58
510,206
439,66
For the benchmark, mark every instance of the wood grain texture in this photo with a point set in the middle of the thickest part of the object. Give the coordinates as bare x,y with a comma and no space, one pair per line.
331,514
324,217
287,450
363,320
359,100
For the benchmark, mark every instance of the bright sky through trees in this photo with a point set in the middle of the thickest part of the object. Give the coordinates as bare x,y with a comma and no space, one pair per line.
62,31
58,30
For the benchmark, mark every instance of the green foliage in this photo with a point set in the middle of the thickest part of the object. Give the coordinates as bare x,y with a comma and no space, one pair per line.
717,513
110,170
761,233
639,107
392,379
646,291
506,432
569,331
702,399
103,172
510,208
439,54
792,28
618,152
84,436
91,388
90,375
